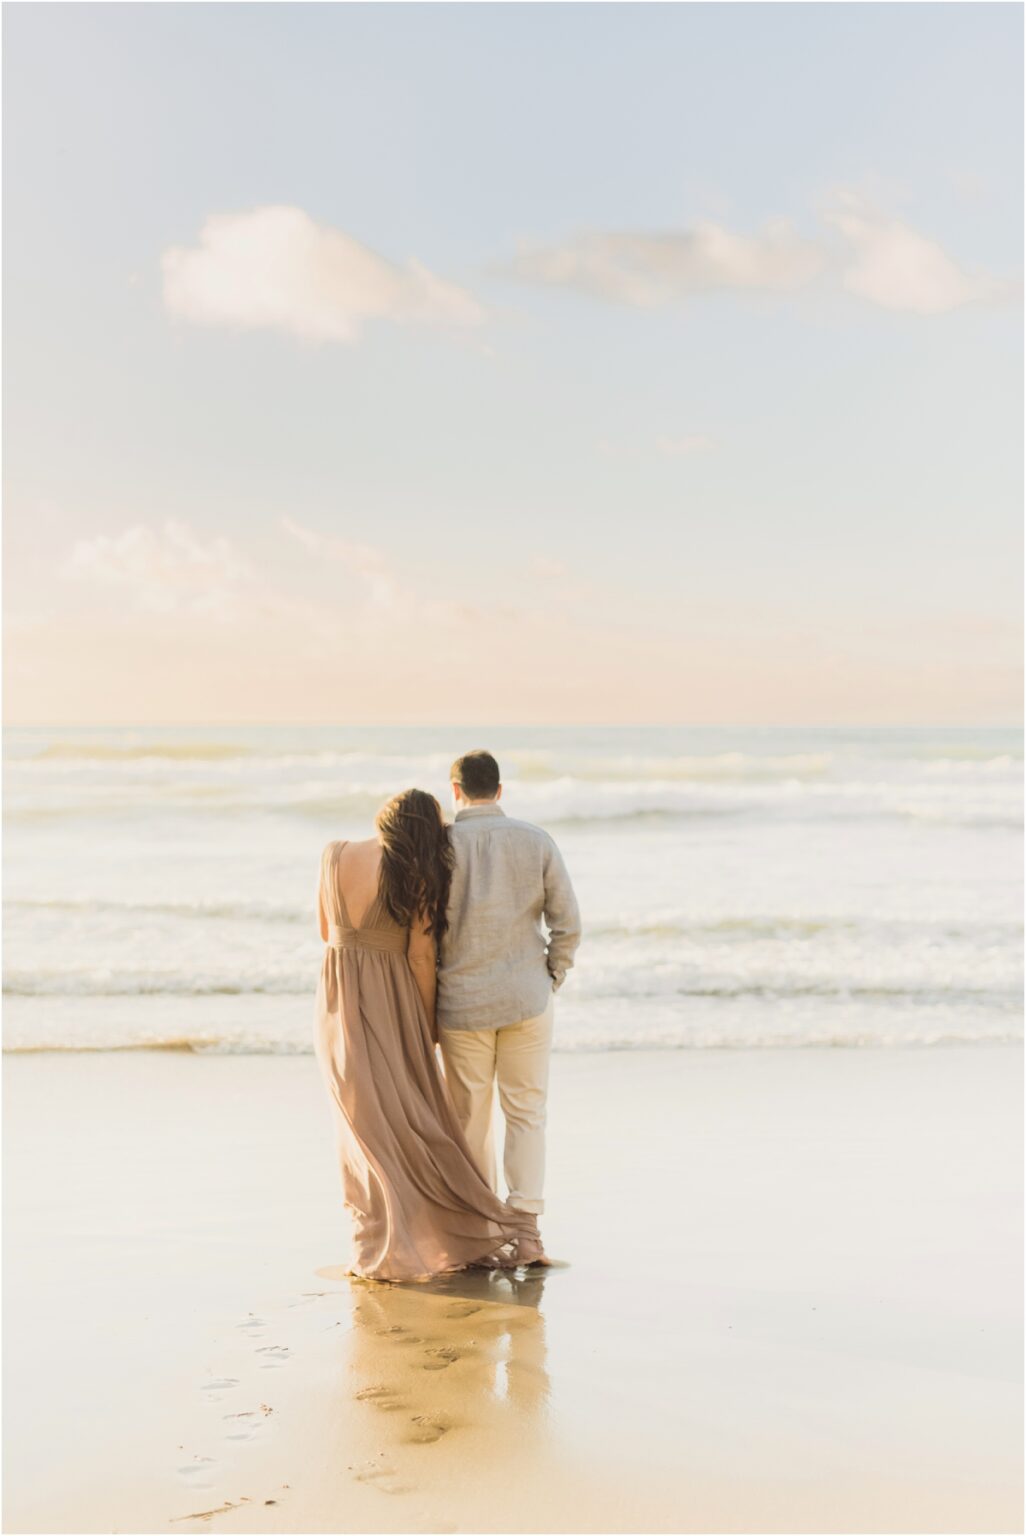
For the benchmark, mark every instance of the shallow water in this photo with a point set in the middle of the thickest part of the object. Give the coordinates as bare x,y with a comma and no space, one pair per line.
739,887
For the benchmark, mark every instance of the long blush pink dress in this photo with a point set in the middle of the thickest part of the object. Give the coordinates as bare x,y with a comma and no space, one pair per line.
419,1205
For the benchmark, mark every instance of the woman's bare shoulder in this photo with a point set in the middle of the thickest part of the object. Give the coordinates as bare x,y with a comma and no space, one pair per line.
362,850
355,853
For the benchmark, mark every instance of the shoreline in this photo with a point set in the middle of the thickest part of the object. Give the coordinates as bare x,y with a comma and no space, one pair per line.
1013,1040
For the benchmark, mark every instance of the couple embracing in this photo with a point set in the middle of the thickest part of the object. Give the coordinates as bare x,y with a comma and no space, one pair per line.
457,936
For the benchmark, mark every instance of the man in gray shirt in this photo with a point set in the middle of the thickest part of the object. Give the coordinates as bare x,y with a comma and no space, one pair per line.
497,973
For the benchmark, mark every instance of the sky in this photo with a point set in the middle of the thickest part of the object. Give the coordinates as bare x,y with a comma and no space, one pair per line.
513,363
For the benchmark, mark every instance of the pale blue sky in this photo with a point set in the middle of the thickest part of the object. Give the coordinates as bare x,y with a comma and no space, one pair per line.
744,503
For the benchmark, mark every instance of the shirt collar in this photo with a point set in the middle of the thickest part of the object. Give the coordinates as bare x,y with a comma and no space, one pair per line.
491,809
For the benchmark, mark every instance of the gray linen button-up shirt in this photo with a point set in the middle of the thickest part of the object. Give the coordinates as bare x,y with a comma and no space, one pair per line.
495,964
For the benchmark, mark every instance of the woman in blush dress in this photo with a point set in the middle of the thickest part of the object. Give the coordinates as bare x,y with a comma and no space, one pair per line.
420,1206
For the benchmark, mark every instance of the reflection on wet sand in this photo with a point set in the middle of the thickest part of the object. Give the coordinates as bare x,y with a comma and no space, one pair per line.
459,1359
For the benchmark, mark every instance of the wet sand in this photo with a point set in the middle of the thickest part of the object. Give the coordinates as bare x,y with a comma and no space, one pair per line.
793,1303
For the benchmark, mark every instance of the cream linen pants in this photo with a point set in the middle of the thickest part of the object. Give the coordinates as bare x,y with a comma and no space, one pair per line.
517,1058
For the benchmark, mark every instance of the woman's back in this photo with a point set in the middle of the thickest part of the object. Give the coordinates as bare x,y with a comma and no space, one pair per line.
351,898
358,877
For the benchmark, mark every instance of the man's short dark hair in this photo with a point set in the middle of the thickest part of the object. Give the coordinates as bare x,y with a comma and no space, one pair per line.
477,774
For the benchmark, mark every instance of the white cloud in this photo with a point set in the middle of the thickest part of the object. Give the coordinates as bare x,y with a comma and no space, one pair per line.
368,566
276,268
891,264
162,570
650,269
682,447
877,258
385,603
172,572
452,615
546,569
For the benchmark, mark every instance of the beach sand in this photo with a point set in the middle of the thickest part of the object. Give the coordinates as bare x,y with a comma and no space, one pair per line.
792,1303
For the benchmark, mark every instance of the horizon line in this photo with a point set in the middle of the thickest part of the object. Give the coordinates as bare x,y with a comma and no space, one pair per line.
532,725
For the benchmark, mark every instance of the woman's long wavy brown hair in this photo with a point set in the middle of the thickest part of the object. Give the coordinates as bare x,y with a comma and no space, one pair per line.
416,859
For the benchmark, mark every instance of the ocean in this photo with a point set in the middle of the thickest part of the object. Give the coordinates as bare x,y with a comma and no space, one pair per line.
740,887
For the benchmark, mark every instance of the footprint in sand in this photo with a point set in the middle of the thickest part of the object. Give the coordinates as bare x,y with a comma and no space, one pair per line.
380,1477
385,1398
275,1354
246,1426
440,1359
427,1428
198,1472
400,1335
252,1324
307,1298
462,1309
219,1385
